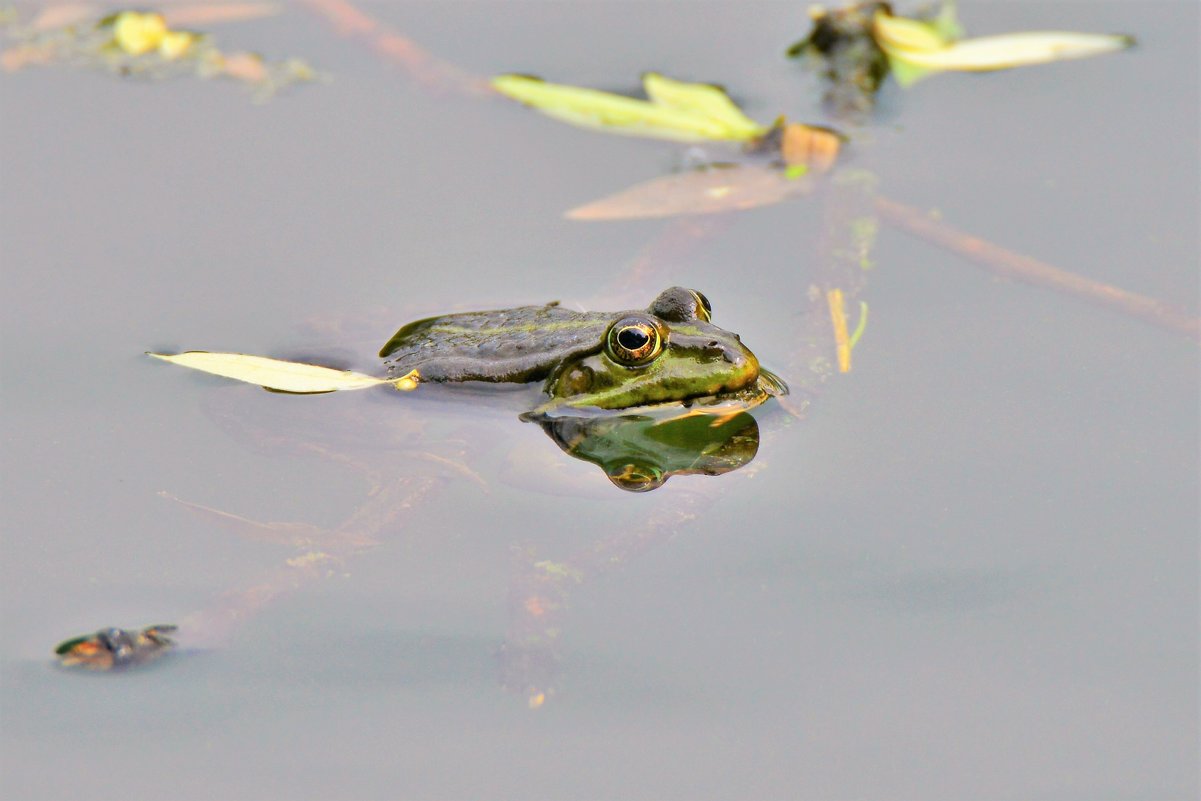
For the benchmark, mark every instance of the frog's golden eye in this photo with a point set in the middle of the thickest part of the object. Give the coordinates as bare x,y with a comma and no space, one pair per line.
633,341
705,310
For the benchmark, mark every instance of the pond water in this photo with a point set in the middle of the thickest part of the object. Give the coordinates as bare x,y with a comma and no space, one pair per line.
969,571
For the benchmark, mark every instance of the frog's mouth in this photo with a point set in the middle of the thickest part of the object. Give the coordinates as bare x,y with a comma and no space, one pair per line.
765,384
771,384
755,389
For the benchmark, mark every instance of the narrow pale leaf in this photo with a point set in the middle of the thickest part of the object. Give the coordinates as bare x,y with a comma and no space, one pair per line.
702,99
702,192
1016,50
589,108
274,374
916,48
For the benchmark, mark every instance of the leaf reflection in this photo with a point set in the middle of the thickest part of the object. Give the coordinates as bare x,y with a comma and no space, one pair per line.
712,190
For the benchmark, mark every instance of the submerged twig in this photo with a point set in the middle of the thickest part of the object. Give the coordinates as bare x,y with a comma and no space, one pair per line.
419,62
1032,271
384,509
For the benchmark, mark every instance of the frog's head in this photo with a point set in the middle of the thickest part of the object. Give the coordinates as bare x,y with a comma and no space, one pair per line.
671,352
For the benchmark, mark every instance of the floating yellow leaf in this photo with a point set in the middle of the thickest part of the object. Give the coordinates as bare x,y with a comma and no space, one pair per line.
282,376
698,192
691,115
136,32
913,45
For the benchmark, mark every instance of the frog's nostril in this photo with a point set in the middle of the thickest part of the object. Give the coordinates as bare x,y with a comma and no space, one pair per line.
712,343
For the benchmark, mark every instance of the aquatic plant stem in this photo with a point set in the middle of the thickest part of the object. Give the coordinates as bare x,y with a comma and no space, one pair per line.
1032,271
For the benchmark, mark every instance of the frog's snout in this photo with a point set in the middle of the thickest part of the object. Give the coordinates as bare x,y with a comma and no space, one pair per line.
737,358
744,366
736,354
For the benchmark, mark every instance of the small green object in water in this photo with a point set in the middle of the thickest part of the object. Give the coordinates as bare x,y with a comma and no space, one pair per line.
115,649
861,327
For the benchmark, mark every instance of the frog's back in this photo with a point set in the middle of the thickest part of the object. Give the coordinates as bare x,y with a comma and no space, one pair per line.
521,344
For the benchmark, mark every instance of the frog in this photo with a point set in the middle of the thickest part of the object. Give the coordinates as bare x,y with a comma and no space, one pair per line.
671,353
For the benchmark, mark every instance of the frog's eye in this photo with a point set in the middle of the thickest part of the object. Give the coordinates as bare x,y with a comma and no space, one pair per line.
633,341
680,305
636,477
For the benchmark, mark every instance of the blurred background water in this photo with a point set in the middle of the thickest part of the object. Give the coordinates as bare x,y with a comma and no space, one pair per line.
970,572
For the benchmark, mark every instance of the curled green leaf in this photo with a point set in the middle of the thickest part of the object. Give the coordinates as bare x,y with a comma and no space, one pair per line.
701,99
677,111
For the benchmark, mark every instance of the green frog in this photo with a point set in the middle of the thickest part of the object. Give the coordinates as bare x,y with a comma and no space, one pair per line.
671,353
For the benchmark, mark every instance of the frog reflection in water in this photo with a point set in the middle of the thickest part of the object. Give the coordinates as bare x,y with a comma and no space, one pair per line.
640,452
670,353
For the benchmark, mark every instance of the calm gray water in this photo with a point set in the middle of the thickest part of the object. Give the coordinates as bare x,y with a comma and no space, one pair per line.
970,572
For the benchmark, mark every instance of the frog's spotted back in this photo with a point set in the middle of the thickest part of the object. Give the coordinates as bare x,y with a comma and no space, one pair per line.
512,345
670,353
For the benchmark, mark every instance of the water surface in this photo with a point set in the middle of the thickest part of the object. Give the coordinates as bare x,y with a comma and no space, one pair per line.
969,572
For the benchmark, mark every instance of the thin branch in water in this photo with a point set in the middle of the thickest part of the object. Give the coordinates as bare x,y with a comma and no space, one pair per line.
424,66
385,509
674,246
1032,271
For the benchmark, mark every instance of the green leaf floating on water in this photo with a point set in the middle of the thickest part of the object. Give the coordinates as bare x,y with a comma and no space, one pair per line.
916,48
704,100
679,111
282,376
